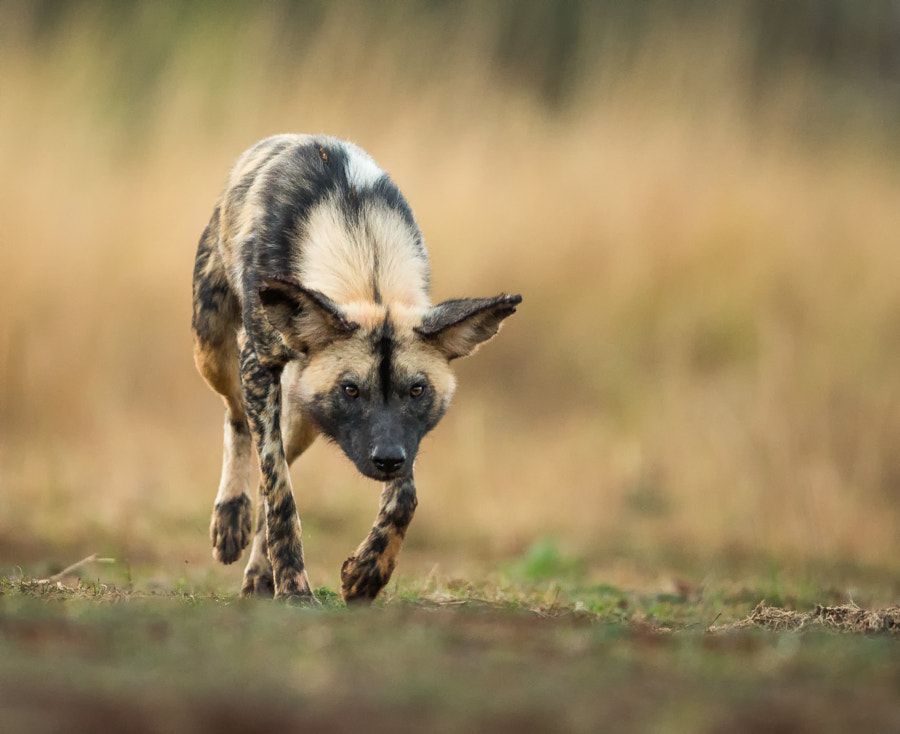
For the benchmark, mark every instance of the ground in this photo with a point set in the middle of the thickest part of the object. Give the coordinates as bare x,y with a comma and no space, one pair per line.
440,655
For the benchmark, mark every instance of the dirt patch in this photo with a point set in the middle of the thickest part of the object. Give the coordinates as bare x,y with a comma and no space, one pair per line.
844,618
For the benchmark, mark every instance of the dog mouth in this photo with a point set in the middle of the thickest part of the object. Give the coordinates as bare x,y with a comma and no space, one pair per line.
386,474
380,475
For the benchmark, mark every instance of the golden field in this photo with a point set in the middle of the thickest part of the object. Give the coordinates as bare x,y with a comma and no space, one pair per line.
704,369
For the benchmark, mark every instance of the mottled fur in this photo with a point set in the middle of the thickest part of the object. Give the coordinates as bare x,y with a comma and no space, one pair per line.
312,316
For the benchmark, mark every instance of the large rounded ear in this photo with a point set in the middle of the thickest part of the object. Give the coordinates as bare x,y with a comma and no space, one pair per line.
459,326
307,319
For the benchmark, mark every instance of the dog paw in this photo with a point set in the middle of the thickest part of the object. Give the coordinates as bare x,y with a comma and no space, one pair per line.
259,583
294,588
230,529
362,579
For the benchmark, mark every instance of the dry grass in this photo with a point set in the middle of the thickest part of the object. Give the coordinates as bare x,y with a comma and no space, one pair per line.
704,360
843,618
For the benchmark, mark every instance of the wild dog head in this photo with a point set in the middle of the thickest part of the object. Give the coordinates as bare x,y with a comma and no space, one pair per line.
377,378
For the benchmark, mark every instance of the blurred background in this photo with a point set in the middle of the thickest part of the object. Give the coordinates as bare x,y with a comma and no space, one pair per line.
699,201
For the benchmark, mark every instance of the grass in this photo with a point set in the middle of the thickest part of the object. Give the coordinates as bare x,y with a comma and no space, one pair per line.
427,657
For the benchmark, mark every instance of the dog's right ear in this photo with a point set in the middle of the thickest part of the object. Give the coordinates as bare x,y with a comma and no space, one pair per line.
306,319
456,328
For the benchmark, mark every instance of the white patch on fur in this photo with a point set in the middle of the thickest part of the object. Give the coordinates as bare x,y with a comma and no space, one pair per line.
334,259
258,558
339,257
235,465
362,170
402,269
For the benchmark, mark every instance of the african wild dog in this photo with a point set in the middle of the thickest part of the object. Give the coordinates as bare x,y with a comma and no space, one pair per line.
311,315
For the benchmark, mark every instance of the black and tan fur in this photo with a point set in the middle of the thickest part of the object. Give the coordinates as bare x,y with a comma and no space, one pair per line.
312,316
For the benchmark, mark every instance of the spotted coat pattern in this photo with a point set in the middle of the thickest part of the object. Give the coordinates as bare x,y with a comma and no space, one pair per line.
311,316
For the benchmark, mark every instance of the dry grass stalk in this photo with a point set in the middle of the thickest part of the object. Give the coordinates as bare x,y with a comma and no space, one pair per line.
843,618
93,558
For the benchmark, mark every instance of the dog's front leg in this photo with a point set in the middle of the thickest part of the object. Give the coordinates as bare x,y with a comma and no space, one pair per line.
261,390
367,571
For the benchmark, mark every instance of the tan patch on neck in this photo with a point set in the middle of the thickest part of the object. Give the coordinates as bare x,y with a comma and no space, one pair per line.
351,260
367,314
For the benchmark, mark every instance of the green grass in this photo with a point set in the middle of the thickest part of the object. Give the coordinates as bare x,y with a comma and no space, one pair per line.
455,656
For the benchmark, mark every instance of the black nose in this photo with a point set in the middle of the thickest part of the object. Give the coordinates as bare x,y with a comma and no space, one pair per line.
388,459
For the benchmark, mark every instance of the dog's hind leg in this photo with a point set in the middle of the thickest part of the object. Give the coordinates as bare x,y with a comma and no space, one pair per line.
258,577
230,525
216,319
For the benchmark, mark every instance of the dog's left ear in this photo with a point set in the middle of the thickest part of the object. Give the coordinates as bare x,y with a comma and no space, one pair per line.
458,327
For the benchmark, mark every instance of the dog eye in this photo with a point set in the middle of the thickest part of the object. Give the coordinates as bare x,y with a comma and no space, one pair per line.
351,390
416,391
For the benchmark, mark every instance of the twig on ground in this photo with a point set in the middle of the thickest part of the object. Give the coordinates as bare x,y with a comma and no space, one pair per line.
93,558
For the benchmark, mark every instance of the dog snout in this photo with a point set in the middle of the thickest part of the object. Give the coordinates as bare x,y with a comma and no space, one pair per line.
388,459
